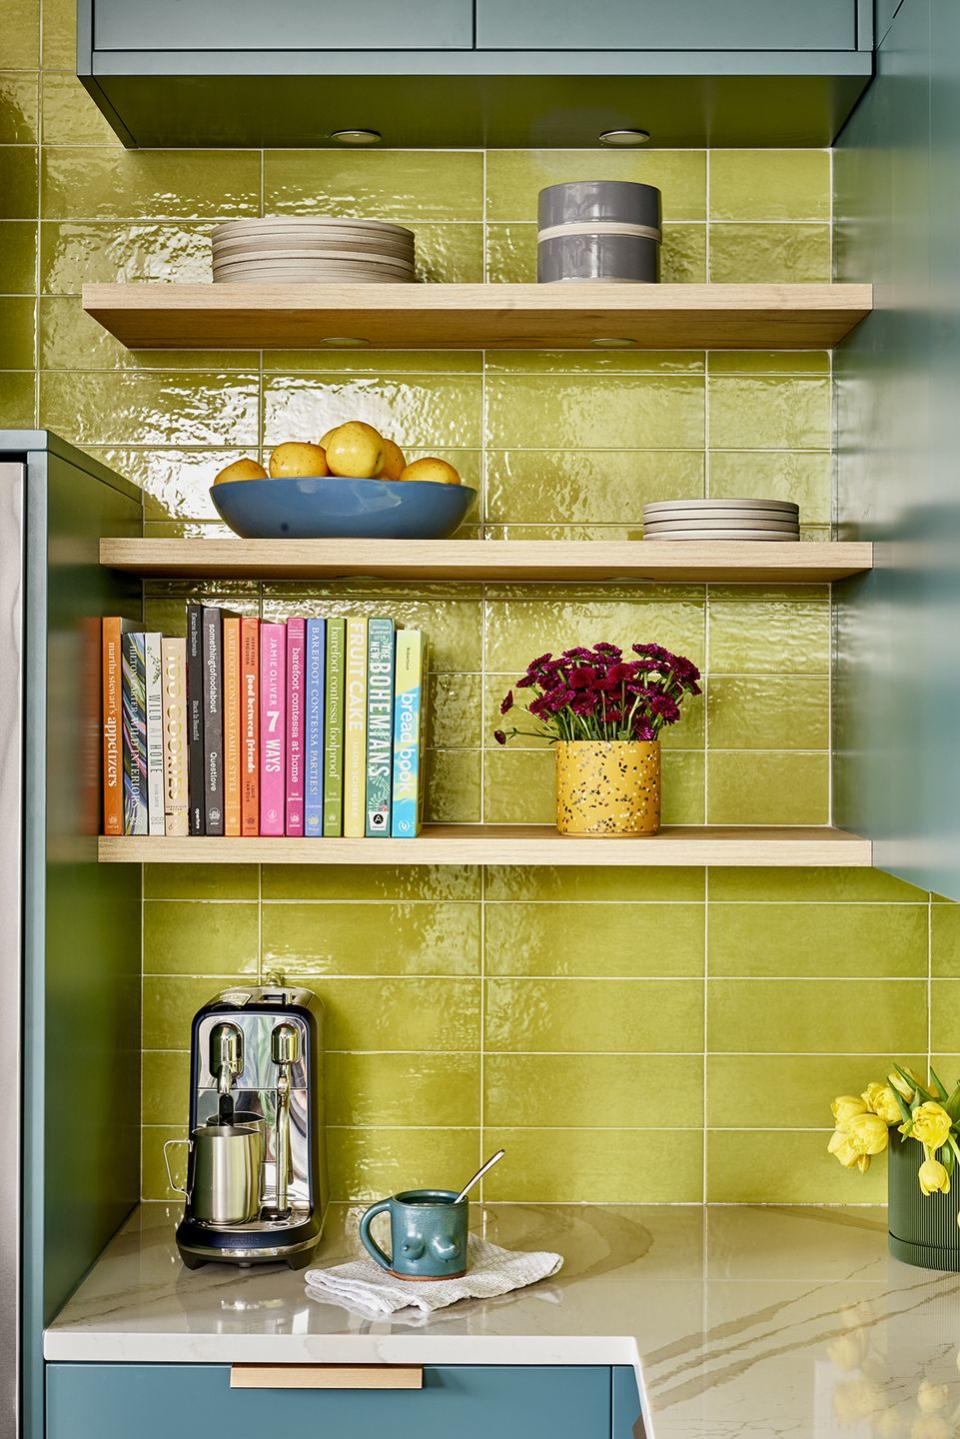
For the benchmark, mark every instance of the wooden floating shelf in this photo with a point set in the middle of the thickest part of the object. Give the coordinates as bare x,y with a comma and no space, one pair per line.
762,847
737,561
472,317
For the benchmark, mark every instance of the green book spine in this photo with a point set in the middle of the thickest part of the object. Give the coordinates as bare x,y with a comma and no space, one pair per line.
333,729
380,659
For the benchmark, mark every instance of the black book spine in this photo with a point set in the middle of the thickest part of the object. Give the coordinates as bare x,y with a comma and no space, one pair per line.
195,718
213,719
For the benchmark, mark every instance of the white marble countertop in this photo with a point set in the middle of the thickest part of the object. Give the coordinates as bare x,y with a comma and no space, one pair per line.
744,1323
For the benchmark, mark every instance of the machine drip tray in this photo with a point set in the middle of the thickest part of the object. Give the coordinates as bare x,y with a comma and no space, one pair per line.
265,1225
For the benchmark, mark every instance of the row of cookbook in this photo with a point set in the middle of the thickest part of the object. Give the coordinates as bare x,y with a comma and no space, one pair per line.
311,727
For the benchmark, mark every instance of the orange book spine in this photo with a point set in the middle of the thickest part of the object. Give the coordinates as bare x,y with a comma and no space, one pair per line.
250,726
112,672
232,740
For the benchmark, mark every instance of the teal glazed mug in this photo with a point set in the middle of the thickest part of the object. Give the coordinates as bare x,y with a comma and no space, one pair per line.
428,1234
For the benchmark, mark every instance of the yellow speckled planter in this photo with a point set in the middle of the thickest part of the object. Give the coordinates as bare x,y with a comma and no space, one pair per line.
608,787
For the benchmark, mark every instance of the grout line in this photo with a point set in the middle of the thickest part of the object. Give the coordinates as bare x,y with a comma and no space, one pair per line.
705,1021
582,1054
482,1022
36,297
929,980
476,978
563,1128
708,167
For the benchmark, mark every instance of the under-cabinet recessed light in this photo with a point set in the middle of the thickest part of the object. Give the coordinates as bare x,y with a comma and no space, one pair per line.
624,138
357,137
344,342
603,343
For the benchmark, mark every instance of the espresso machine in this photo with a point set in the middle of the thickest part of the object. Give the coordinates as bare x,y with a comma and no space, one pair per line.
256,1187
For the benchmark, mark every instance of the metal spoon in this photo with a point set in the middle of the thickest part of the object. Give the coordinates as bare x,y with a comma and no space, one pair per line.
494,1159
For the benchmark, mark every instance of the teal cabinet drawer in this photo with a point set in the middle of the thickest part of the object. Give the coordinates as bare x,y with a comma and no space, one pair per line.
195,1401
626,1414
667,25
284,25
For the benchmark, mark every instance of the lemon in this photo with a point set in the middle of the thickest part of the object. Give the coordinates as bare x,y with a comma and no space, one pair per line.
392,463
354,450
245,469
298,459
432,469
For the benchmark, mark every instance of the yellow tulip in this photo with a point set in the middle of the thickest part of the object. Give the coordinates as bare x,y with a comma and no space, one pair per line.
889,1425
841,1148
881,1099
901,1085
933,1178
866,1133
854,1316
848,1351
846,1105
931,1398
930,1125
857,1399
931,1426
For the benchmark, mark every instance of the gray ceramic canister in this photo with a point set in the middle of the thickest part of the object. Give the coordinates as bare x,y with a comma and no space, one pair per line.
607,230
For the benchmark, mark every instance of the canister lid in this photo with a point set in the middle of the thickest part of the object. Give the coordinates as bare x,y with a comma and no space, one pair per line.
585,200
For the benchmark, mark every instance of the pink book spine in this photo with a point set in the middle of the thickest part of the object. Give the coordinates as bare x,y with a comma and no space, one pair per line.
273,704
296,645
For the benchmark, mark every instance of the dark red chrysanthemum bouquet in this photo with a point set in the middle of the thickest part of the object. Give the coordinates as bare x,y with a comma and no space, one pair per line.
596,694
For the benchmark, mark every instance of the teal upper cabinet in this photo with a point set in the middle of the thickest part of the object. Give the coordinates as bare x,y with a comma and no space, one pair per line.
492,73
682,25
184,25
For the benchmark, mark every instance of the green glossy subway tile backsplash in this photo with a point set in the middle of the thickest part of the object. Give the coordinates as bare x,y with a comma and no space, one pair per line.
19,108
552,1011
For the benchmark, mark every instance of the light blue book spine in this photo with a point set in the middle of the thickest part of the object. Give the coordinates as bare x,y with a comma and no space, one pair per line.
408,713
313,729
379,726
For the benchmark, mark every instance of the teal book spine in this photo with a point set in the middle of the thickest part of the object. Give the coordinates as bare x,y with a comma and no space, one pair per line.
379,727
333,729
409,710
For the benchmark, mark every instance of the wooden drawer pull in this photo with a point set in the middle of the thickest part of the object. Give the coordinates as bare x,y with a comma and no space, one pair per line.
326,1376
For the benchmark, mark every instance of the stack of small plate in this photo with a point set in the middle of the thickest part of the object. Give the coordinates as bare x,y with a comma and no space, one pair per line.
287,249
721,520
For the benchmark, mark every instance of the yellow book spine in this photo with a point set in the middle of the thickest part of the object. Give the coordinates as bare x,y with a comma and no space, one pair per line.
355,729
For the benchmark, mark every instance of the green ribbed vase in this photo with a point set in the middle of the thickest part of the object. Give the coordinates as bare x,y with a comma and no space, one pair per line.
922,1228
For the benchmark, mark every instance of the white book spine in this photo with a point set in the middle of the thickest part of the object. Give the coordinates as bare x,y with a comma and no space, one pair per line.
153,665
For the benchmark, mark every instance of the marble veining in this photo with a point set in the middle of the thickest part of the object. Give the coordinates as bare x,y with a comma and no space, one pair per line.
743,1323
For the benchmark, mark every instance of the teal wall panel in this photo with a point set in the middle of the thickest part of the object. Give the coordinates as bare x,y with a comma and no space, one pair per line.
81,923
897,642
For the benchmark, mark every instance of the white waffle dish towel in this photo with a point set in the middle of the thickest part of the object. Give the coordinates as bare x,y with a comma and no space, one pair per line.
363,1285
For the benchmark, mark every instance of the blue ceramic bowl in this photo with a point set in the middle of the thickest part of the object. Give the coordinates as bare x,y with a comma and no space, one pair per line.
332,508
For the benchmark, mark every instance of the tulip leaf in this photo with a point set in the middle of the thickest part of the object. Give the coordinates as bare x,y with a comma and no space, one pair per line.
952,1105
915,1084
902,1105
941,1087
947,1159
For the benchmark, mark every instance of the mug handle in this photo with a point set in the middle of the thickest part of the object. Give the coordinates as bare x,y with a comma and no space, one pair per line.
166,1163
367,1239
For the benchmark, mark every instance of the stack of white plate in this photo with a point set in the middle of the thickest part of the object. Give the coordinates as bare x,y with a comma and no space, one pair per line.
287,249
721,520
